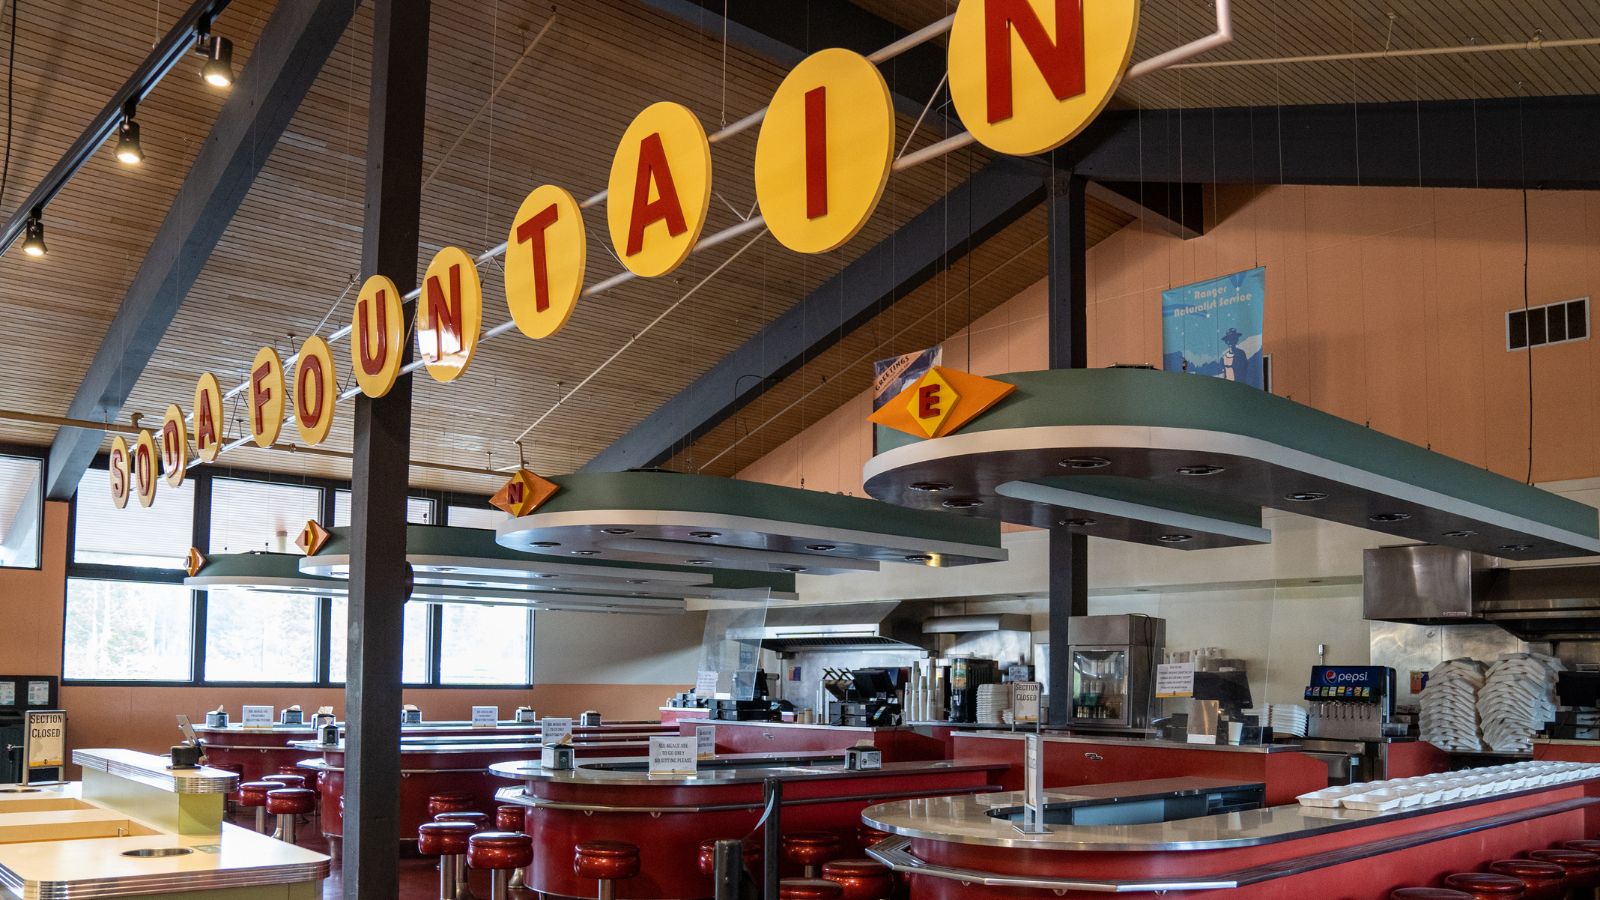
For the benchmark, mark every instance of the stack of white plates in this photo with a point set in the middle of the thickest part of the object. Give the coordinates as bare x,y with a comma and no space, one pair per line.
1288,718
1448,787
1517,699
993,702
1449,717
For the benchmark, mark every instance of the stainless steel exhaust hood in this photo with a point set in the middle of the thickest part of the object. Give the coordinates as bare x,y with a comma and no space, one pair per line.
1430,585
841,626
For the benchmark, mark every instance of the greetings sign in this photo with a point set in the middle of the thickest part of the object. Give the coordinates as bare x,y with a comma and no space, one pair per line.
1214,327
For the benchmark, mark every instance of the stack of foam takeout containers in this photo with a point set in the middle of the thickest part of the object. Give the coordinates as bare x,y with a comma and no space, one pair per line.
1448,787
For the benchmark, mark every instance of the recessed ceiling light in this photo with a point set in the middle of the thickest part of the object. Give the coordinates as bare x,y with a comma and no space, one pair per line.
698,562
545,575
961,503
793,568
919,557
1199,470
821,548
1305,496
1514,548
1085,462
1388,518
705,534
1459,533
584,552
617,530
1175,538
930,487
1078,523
545,544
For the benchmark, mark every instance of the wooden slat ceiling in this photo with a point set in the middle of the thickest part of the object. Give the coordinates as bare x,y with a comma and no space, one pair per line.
293,248
1270,29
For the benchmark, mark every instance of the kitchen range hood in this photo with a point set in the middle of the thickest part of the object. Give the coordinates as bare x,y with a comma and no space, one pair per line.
839,626
1431,585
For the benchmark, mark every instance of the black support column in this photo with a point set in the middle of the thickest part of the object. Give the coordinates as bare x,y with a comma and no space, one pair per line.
1068,290
379,580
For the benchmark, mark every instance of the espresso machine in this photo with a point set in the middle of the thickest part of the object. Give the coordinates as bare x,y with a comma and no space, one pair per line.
1351,708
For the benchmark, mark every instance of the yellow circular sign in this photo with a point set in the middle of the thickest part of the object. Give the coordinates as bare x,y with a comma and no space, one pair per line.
377,336
266,400
449,314
145,474
825,149
315,393
1027,75
659,190
546,253
174,446
208,422
117,468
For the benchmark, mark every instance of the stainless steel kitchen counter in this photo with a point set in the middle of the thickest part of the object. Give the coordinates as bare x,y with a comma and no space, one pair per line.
966,820
785,766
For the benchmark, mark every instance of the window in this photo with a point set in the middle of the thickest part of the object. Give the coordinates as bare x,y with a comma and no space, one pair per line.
255,636
484,645
419,510
258,515
476,517
127,631
21,510
153,537
415,667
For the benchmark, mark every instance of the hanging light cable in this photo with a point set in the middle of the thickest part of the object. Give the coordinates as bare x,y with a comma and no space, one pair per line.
129,151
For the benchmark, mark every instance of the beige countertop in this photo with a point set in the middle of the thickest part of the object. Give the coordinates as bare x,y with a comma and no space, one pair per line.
100,867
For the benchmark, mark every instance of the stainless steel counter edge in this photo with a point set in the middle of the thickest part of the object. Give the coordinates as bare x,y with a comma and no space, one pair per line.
530,770
152,770
1243,830
865,729
445,749
185,882
1134,742
896,854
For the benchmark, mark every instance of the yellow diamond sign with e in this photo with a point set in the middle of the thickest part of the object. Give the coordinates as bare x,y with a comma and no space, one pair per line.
523,493
932,401
940,402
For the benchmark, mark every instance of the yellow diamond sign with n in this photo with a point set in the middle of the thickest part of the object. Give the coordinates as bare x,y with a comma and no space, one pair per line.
523,493
940,402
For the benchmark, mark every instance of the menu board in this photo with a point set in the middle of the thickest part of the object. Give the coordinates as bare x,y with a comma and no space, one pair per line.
8,693
673,756
1175,680
38,693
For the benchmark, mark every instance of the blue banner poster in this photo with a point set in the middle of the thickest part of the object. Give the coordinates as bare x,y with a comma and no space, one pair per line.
891,376
1214,327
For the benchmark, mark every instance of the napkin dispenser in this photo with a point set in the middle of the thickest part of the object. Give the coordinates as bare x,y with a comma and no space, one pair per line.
526,715
558,756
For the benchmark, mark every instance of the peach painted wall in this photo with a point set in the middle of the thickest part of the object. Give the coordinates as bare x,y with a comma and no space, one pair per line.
1384,305
33,600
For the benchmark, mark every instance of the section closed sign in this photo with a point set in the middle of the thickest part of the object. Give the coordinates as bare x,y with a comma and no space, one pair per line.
47,739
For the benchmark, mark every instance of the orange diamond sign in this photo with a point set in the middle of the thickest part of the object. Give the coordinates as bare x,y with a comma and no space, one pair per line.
193,561
523,493
940,402
312,537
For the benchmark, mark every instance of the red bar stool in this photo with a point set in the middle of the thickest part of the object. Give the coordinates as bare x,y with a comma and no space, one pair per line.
1540,880
1582,867
288,803
480,821
448,841
287,780
862,879
514,819
749,856
253,794
867,836
1485,885
309,777
448,801
809,889
500,852
1427,893
606,862
810,849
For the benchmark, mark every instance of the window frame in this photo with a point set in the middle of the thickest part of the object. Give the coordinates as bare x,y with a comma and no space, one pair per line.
203,477
43,456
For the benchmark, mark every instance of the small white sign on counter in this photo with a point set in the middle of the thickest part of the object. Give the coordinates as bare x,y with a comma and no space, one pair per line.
256,717
1175,680
1025,701
486,717
705,684
553,730
673,755
705,737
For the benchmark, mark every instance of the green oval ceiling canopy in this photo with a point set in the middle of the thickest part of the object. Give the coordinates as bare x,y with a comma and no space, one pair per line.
1186,461
669,518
